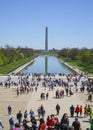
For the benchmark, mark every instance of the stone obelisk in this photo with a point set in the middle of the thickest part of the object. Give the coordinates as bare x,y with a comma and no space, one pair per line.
46,39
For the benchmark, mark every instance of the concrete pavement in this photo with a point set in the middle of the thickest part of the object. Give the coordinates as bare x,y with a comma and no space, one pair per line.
32,101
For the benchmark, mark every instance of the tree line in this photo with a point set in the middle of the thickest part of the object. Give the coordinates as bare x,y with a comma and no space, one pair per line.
9,54
85,55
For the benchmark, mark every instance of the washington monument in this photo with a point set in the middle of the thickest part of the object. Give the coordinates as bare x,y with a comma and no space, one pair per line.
46,39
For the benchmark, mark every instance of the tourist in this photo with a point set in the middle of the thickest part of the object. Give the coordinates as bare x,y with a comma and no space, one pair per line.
47,95
76,124
42,111
57,109
11,123
48,122
86,110
80,110
52,121
9,110
72,110
31,115
42,125
36,89
19,117
66,90
42,96
25,114
77,110
39,112
18,91
57,93
70,92
64,125
90,97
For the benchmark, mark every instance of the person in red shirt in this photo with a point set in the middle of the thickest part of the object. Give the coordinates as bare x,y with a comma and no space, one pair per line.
48,122
51,122
42,125
56,120
80,109
77,110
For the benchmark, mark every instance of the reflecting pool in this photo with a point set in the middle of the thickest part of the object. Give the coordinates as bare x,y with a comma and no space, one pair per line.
47,64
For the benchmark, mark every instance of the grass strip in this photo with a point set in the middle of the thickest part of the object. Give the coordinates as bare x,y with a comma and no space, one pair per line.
12,66
85,67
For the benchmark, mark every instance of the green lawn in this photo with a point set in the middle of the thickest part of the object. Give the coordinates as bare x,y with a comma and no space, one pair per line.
12,66
85,67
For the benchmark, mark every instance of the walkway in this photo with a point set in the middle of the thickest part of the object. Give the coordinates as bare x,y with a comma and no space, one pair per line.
32,101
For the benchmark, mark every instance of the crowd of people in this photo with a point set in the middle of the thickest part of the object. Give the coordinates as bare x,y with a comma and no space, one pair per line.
30,83
52,122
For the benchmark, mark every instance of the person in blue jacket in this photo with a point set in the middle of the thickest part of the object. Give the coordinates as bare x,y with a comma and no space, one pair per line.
11,123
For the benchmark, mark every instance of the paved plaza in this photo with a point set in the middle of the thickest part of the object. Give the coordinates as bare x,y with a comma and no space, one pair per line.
32,101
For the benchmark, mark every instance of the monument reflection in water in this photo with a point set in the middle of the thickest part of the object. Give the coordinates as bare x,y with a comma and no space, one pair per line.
46,64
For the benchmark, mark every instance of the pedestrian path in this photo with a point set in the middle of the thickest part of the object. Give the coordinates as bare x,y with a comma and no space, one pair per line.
32,101
49,105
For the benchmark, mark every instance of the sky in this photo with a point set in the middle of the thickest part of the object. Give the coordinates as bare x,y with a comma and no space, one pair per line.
69,22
